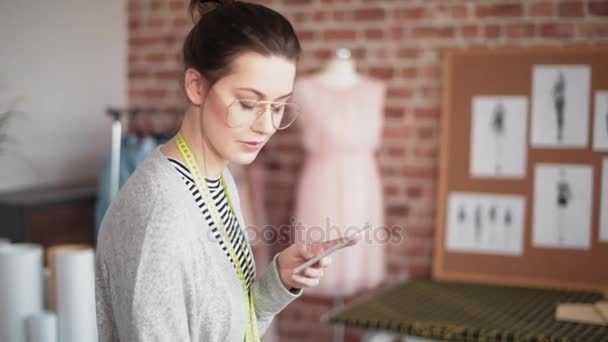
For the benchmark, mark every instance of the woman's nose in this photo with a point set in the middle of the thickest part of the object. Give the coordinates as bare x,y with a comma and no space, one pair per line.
263,123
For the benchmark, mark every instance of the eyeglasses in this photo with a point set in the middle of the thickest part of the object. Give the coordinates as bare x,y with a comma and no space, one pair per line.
246,112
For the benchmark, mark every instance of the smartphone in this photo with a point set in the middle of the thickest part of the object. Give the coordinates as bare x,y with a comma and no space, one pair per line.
336,247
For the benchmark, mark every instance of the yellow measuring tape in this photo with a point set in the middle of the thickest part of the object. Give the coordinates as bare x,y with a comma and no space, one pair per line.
251,334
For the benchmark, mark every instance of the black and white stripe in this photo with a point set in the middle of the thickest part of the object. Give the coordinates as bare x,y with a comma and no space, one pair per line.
231,224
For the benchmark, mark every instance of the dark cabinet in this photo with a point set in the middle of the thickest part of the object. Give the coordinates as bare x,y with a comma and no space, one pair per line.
49,215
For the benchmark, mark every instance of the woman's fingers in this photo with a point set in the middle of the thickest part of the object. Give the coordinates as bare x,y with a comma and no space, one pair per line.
306,281
313,272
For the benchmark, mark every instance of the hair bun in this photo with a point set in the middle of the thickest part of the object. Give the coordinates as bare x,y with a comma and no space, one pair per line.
198,8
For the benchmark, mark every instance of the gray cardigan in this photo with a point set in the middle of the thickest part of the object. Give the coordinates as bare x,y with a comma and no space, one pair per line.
162,276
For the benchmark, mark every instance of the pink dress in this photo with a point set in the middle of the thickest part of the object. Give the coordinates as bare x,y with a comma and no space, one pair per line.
340,190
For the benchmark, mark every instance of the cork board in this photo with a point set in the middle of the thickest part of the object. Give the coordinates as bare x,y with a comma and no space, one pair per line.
509,71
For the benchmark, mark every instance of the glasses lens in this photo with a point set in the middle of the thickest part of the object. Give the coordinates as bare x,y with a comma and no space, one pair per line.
242,113
245,112
284,115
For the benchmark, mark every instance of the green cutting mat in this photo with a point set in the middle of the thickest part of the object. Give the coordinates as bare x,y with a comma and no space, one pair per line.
468,312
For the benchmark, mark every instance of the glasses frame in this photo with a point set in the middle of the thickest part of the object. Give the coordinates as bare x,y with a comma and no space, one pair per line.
261,112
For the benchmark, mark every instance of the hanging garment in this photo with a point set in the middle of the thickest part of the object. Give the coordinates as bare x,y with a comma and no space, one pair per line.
133,151
340,190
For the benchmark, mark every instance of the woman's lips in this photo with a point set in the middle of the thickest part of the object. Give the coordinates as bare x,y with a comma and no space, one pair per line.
252,146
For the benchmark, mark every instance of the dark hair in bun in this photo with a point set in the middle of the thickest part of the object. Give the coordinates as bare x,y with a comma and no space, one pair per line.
226,28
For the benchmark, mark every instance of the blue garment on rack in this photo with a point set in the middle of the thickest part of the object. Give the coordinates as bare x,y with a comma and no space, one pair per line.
133,151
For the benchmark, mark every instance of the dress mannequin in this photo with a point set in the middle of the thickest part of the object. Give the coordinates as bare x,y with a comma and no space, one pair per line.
341,125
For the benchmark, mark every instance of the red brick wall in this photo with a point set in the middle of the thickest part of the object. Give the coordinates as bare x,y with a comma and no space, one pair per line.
398,41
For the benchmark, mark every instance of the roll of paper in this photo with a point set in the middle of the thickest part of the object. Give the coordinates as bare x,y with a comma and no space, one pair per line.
4,243
20,289
76,296
42,327
51,253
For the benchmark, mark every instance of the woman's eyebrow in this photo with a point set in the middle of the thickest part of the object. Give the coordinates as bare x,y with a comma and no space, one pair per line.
261,95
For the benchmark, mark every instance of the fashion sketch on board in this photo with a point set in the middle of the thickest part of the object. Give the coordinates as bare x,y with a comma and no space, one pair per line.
560,106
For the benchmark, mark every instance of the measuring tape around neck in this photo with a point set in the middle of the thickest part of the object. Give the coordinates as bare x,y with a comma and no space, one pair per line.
252,334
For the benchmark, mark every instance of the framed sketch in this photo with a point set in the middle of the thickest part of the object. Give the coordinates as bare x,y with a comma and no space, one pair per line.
562,206
560,106
498,142
600,122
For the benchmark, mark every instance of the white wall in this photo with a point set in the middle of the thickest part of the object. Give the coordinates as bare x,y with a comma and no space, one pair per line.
61,63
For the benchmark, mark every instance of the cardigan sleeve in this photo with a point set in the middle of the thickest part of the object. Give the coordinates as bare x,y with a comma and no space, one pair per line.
141,277
158,310
271,296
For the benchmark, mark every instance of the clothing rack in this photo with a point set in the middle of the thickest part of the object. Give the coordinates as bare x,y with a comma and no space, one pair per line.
140,122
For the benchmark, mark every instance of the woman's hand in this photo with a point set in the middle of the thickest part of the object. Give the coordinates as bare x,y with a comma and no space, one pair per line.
298,253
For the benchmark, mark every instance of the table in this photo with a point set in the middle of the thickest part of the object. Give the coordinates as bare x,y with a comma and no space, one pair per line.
471,312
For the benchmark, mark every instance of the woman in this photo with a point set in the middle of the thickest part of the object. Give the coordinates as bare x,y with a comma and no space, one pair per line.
173,262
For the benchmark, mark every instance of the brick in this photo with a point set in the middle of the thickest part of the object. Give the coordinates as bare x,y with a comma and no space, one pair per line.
492,31
433,32
425,113
521,30
408,53
396,33
419,232
426,133
154,93
397,210
598,7
382,53
410,13
372,14
557,30
140,41
414,192
394,92
541,9
168,75
571,9
459,11
181,22
155,23
396,151
155,57
394,113
337,34
305,35
339,15
323,54
593,30
499,10
397,133
178,5
385,73
374,34
419,270
429,73
408,73
134,24
470,31
319,16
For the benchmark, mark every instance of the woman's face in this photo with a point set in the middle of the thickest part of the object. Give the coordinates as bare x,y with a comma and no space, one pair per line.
253,77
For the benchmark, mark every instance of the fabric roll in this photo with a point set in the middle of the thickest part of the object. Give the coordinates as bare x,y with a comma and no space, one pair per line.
4,243
76,296
42,327
51,254
20,289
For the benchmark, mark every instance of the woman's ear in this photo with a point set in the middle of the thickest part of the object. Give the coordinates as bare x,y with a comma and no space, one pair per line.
196,86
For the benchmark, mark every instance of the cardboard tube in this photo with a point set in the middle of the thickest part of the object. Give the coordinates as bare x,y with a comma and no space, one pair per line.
20,289
51,254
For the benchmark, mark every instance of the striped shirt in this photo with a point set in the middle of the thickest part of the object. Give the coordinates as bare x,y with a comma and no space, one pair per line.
231,224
